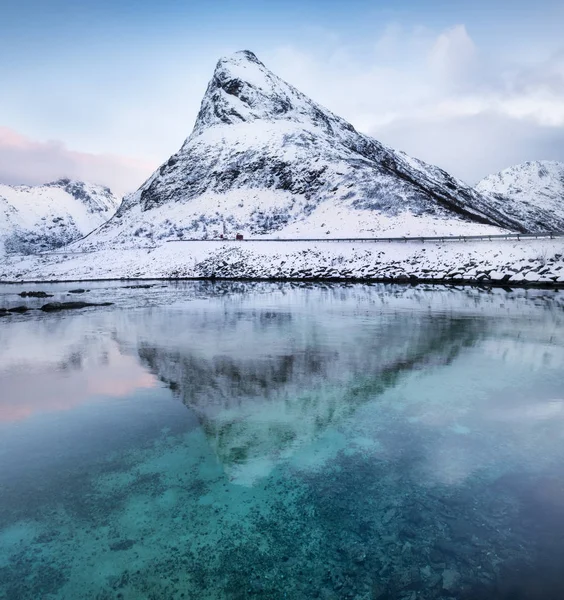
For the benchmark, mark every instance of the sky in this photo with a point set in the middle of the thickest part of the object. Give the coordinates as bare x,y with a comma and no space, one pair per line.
107,90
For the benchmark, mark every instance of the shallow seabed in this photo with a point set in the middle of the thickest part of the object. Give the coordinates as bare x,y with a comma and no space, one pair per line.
230,440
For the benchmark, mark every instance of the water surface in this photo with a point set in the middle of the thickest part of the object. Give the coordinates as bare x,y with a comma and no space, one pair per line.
227,440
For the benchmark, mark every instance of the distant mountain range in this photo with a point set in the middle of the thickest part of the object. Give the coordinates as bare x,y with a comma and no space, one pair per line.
43,217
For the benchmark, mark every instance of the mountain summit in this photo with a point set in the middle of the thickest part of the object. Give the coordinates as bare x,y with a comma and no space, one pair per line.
243,90
43,217
265,159
533,192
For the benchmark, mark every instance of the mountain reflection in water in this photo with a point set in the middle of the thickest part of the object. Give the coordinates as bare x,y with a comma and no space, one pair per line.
262,398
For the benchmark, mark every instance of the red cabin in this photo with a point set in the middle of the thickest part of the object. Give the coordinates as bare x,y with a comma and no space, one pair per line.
239,236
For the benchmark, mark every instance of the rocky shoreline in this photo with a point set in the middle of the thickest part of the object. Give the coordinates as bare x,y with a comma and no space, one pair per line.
525,263
530,274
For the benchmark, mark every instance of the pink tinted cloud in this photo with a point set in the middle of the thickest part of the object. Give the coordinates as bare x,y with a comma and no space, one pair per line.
31,162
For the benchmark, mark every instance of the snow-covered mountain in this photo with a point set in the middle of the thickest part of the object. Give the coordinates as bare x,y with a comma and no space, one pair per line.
36,218
533,193
265,159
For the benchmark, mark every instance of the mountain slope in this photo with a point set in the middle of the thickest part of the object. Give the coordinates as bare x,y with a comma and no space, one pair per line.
265,159
532,192
36,218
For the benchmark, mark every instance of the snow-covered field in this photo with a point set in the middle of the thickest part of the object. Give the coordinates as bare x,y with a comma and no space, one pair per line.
339,221
507,261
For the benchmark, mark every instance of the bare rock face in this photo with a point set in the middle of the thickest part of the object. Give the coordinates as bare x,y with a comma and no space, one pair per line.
265,159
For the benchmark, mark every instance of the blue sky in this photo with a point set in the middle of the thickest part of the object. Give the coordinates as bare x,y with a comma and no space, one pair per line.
107,90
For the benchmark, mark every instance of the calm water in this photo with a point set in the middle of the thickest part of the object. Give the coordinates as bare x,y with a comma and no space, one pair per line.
235,441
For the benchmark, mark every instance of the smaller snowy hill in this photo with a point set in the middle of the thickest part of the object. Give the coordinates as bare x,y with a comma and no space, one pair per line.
533,193
37,218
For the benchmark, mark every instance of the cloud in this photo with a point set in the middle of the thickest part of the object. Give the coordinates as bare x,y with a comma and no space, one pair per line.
471,146
26,161
439,96
453,57
445,96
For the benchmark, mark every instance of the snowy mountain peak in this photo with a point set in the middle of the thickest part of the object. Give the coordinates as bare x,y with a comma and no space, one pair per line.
96,198
538,176
41,217
264,159
243,90
533,191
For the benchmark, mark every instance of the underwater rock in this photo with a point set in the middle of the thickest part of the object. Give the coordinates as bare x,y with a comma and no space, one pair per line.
450,579
122,545
389,516
410,579
78,291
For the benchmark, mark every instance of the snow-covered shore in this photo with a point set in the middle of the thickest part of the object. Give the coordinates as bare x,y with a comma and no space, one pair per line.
510,262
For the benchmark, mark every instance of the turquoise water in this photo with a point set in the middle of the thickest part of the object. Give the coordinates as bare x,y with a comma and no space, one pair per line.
211,441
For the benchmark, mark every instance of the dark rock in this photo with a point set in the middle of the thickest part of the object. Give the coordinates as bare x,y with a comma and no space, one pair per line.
56,306
78,291
35,295
18,309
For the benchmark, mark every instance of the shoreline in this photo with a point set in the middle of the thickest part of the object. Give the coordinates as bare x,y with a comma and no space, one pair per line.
520,263
407,282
